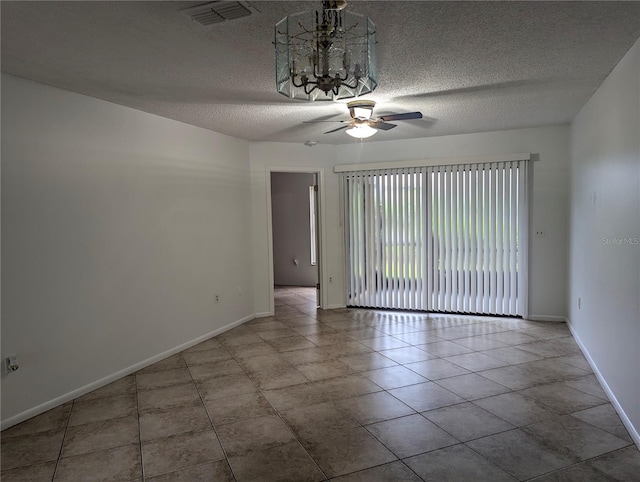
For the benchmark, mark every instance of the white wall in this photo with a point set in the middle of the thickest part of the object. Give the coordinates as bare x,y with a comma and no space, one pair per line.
549,211
291,229
118,228
267,157
605,230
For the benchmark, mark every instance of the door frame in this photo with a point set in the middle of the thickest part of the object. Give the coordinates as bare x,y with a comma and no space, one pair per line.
320,223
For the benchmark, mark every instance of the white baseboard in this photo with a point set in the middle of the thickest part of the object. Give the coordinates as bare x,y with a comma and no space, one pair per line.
263,314
552,318
78,392
335,307
633,432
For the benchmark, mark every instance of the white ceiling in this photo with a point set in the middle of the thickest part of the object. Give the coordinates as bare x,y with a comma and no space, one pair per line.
467,66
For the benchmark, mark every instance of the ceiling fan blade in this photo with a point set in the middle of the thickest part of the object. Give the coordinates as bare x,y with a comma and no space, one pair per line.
397,117
382,125
335,130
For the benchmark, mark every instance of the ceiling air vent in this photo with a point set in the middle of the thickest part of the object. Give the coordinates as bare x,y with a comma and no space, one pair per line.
217,12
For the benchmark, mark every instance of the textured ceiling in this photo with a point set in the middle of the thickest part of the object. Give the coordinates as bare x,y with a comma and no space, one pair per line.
467,66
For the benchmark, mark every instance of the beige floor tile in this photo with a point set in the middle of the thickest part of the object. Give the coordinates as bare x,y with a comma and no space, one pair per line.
163,422
581,472
305,356
102,409
411,435
516,409
283,463
374,407
239,407
206,356
96,436
54,419
346,349
405,355
394,377
515,377
520,454
324,369
296,396
252,349
163,378
227,386
481,342
606,418
622,464
120,463
308,421
456,463
31,473
575,437
476,361
168,396
384,342
466,421
562,398
345,451
396,471
426,396
211,343
472,386
30,449
367,361
176,452
436,369
444,348
215,369
511,354
346,387
239,438
169,363
290,343
419,338
588,384
261,325
218,471
270,335
124,386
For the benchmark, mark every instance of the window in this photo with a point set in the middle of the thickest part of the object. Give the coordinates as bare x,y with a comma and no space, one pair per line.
312,224
441,238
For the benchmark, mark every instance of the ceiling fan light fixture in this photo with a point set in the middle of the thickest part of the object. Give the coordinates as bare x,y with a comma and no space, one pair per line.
326,54
361,131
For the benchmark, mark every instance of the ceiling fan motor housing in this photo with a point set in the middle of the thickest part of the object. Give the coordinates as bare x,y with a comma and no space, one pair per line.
361,109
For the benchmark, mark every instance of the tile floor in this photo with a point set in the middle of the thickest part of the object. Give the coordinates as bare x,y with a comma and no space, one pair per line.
348,395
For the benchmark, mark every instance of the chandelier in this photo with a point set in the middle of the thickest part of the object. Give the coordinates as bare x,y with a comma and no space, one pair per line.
326,54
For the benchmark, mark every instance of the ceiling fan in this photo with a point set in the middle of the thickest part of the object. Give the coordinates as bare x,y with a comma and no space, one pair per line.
362,123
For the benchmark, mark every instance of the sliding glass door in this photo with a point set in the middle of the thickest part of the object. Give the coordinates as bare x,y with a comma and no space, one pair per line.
440,238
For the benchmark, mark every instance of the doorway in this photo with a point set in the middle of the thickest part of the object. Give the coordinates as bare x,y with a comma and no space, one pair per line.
295,234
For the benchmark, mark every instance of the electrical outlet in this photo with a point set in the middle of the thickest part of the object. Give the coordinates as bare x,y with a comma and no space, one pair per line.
330,279
579,303
217,298
540,233
11,363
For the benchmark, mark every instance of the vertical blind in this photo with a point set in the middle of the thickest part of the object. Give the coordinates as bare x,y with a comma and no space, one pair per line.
438,238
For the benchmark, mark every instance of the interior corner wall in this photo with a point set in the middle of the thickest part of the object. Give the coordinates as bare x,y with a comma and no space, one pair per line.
549,201
290,215
118,229
604,262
